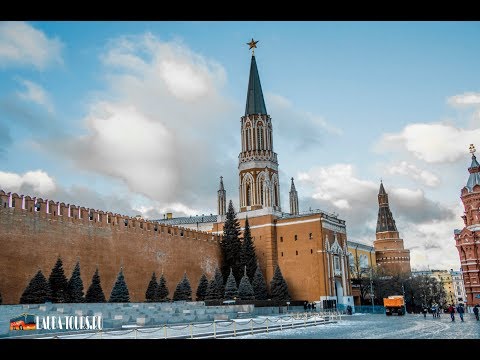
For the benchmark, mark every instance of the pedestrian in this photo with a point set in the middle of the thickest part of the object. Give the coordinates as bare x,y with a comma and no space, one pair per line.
475,311
451,310
439,308
460,311
425,312
313,306
305,306
434,312
309,307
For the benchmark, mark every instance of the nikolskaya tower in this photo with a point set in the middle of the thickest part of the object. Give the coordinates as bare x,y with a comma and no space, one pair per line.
257,162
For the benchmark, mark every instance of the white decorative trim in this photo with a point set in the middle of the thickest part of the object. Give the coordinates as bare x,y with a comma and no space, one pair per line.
327,224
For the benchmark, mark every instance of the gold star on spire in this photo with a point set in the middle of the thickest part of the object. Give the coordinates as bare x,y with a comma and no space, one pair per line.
253,45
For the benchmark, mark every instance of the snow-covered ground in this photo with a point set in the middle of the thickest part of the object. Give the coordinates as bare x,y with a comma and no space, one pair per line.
379,326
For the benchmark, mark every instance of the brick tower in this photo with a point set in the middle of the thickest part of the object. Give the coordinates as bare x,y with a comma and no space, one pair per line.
468,239
389,252
257,162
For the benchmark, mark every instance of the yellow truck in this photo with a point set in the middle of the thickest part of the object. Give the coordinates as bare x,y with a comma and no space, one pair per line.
394,304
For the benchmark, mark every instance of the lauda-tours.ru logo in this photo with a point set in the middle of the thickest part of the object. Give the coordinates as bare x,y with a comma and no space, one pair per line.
32,322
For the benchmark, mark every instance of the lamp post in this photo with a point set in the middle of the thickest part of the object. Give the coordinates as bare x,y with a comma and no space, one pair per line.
404,302
372,296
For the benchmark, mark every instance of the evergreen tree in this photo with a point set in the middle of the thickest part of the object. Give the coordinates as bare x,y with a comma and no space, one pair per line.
245,290
202,288
95,293
58,283
248,257
37,291
162,290
75,286
278,286
230,245
219,283
212,291
231,290
152,289
259,285
183,290
119,292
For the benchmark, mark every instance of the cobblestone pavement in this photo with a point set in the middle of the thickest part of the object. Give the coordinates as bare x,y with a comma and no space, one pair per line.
379,326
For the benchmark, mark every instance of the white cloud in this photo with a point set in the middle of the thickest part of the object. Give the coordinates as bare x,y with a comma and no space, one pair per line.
464,100
421,221
432,143
37,94
21,44
39,181
149,128
410,170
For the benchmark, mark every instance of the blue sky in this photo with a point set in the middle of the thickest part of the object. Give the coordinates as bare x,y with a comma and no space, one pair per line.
143,117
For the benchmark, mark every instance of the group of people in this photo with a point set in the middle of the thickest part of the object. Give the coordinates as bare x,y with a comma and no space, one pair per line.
460,310
309,306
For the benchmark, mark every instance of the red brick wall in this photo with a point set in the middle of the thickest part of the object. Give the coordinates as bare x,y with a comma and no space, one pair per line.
30,241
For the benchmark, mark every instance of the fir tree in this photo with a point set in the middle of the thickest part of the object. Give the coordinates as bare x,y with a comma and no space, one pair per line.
183,290
202,288
248,257
119,292
230,245
278,286
231,290
95,293
37,291
245,290
75,286
259,285
219,283
212,290
162,290
152,289
58,283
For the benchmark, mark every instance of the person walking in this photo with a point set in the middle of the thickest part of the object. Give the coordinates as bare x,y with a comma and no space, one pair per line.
434,312
475,311
439,308
305,306
460,311
425,312
451,310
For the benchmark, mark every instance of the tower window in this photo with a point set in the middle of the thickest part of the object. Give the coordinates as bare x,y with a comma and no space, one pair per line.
295,237
281,238
282,253
311,251
260,137
248,194
296,252
310,236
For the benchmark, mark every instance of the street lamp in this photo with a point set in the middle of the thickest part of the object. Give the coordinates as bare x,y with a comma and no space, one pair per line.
372,296
404,302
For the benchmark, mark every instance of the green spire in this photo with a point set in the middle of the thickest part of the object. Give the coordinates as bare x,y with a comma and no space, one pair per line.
255,101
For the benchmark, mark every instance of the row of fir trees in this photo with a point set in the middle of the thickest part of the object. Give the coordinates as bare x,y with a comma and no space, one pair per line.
240,277
58,289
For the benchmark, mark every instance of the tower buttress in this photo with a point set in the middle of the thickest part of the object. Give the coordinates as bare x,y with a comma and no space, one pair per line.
222,198
293,200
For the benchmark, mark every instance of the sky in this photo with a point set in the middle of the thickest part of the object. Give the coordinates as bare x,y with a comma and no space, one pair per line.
144,117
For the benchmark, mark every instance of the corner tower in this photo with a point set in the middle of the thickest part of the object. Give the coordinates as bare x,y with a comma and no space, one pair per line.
389,251
257,162
467,240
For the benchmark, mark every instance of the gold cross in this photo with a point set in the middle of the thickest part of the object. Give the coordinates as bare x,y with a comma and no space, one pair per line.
253,45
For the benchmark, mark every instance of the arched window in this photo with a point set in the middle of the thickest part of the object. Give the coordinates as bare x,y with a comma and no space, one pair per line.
260,137
270,138
261,192
276,195
249,134
248,189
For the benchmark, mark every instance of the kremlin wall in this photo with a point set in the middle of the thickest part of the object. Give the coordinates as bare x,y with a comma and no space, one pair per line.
35,232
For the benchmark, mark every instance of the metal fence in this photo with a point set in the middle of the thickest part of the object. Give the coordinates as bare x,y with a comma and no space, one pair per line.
215,329
376,309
